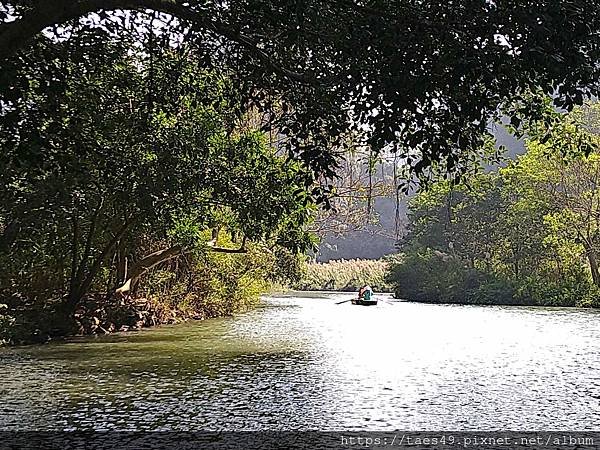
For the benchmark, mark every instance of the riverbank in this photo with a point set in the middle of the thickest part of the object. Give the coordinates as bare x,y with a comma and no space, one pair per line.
196,288
433,277
98,314
95,315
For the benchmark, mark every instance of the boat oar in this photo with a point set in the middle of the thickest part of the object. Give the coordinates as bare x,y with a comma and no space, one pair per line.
345,301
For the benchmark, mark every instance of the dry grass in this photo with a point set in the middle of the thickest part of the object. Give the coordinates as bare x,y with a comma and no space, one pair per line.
346,275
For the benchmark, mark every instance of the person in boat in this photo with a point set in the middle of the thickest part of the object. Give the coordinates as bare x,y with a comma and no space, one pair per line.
365,293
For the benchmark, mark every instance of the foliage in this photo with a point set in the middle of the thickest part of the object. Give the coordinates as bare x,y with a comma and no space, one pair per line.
526,234
345,275
423,77
126,143
214,284
109,159
433,277
6,324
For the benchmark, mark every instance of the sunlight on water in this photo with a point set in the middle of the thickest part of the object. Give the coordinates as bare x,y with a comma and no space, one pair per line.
302,362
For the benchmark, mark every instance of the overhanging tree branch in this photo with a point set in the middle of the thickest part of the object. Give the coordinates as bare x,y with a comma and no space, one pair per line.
45,13
153,259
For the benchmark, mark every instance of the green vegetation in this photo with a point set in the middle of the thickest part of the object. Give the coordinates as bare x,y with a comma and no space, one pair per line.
528,234
345,275
418,75
164,158
123,178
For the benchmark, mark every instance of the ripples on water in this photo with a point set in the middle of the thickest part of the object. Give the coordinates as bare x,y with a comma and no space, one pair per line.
302,362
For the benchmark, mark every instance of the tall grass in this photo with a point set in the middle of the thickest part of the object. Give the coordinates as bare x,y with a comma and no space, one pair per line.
345,275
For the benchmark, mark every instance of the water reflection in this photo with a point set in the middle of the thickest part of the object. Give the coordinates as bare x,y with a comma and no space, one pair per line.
301,362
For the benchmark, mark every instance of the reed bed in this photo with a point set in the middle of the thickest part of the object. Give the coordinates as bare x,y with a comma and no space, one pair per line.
345,275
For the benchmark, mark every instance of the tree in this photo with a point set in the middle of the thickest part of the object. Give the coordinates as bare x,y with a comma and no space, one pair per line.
425,77
114,165
362,179
560,174
526,233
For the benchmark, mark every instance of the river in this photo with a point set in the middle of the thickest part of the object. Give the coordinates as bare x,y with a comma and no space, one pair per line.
300,361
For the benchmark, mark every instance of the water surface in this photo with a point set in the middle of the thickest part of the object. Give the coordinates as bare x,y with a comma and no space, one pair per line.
302,362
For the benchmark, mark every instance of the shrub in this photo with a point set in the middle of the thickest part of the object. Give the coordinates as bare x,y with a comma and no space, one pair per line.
433,277
591,299
430,276
216,284
566,291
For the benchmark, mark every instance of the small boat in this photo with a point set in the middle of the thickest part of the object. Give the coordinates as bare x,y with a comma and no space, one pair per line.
357,301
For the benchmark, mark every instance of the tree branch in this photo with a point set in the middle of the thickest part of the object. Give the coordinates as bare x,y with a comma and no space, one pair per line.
147,263
45,13
153,259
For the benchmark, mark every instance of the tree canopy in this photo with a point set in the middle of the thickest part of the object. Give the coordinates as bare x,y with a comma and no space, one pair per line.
423,77
105,179
528,233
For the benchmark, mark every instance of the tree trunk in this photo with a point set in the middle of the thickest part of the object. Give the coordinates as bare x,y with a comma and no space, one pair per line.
147,263
594,266
121,262
80,285
97,265
590,253
74,257
153,259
